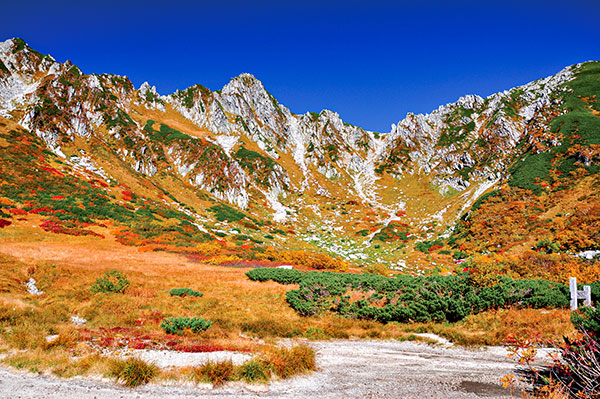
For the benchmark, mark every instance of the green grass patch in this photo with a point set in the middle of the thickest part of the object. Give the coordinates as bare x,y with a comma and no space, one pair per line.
184,292
111,281
165,133
224,212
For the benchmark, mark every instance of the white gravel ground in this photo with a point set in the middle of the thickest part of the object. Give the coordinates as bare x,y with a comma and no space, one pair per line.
164,359
347,369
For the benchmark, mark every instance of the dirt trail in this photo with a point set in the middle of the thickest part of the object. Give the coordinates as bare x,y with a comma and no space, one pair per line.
347,369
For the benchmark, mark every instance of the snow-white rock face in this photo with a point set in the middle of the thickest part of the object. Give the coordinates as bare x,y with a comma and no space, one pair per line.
32,288
435,143
589,255
540,93
227,142
244,108
150,98
79,321
20,72
145,167
86,163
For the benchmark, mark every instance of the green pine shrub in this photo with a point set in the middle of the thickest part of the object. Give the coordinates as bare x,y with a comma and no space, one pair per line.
184,292
177,325
111,281
587,319
281,276
409,298
224,212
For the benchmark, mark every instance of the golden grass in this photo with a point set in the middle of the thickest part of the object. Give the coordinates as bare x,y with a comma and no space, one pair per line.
497,326
65,267
132,372
287,362
171,118
58,363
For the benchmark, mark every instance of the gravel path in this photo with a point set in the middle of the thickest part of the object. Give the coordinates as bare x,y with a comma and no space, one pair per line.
164,359
347,369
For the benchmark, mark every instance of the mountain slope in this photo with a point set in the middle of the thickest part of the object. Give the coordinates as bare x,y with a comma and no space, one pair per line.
550,206
244,168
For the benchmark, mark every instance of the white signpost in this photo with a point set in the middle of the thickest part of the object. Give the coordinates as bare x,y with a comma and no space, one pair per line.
586,294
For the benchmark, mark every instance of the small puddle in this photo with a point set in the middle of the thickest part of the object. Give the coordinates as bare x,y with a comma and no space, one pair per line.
483,389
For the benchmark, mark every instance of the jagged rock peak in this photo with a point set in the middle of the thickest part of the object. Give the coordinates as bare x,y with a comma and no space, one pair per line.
17,45
244,83
246,78
145,88
12,45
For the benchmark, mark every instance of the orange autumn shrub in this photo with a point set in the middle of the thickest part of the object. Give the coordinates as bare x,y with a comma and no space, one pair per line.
313,260
208,248
486,270
219,259
555,267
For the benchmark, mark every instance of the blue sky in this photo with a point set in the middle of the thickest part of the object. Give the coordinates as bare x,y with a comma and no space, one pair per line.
370,61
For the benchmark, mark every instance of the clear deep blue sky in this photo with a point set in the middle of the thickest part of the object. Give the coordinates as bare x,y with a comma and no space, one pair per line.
370,61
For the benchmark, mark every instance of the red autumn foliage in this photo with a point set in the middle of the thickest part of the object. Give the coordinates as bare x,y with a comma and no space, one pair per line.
53,171
435,248
53,227
17,211
43,209
139,345
127,196
99,183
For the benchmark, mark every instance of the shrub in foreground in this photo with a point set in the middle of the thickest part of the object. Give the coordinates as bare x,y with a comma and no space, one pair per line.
111,281
587,319
288,362
216,372
576,372
177,325
283,362
254,371
132,372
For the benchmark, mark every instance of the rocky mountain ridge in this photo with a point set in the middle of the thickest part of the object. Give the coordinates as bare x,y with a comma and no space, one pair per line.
244,106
